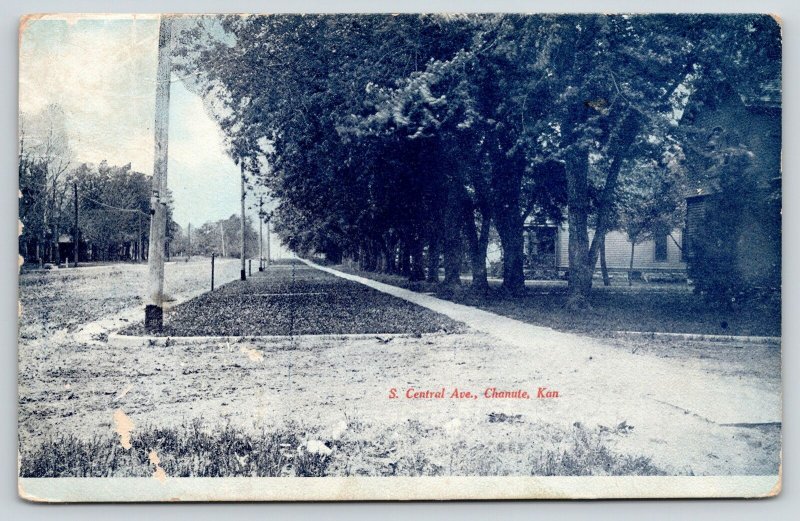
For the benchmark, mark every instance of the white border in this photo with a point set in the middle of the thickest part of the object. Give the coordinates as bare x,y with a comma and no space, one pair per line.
790,13
392,488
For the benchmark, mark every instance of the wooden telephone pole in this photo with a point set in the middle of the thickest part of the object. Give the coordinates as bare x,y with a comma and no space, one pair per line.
243,274
269,220
140,248
261,233
77,230
154,311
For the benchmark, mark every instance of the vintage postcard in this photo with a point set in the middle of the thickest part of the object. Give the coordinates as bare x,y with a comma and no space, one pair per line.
396,257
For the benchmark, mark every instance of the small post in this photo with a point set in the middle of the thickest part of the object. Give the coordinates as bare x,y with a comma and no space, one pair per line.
212,270
140,248
250,267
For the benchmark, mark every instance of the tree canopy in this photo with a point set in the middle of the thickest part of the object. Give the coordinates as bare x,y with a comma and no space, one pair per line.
401,141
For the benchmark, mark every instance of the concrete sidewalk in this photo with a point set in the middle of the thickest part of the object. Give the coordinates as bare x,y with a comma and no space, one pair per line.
603,383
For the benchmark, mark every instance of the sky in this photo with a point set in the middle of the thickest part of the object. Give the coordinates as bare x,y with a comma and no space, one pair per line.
101,71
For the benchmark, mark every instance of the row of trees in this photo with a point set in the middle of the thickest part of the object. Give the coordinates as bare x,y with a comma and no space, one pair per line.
401,141
112,201
113,205
222,237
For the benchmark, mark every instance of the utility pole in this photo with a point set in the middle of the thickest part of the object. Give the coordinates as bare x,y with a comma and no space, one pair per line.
261,233
77,230
140,250
269,221
154,311
243,274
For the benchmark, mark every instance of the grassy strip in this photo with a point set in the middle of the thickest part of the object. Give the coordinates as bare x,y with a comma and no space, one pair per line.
184,452
191,451
645,307
298,301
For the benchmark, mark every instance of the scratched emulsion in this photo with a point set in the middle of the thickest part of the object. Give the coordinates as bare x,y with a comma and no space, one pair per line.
123,427
158,473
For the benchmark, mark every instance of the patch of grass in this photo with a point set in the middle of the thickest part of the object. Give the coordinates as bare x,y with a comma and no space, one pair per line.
587,455
70,298
656,307
192,451
298,300
185,451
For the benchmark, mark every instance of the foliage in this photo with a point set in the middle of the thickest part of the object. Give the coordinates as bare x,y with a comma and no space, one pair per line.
397,141
650,201
224,237
113,206
194,450
733,260
45,156
113,201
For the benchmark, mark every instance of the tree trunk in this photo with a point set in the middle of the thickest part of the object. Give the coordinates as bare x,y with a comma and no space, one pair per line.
478,243
508,219
630,266
417,269
372,256
603,266
432,274
405,265
380,259
391,255
452,255
580,269
510,229
452,242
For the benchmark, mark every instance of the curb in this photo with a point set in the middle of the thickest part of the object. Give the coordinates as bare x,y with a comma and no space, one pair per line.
703,337
166,341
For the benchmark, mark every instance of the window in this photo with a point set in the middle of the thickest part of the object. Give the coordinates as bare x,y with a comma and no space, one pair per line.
660,254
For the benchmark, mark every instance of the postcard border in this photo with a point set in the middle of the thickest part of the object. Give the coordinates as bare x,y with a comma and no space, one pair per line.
79,490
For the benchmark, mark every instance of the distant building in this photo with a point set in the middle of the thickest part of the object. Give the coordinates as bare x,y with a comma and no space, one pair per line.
547,251
663,253
546,248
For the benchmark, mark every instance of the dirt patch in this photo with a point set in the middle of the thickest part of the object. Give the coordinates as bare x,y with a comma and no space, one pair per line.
746,361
